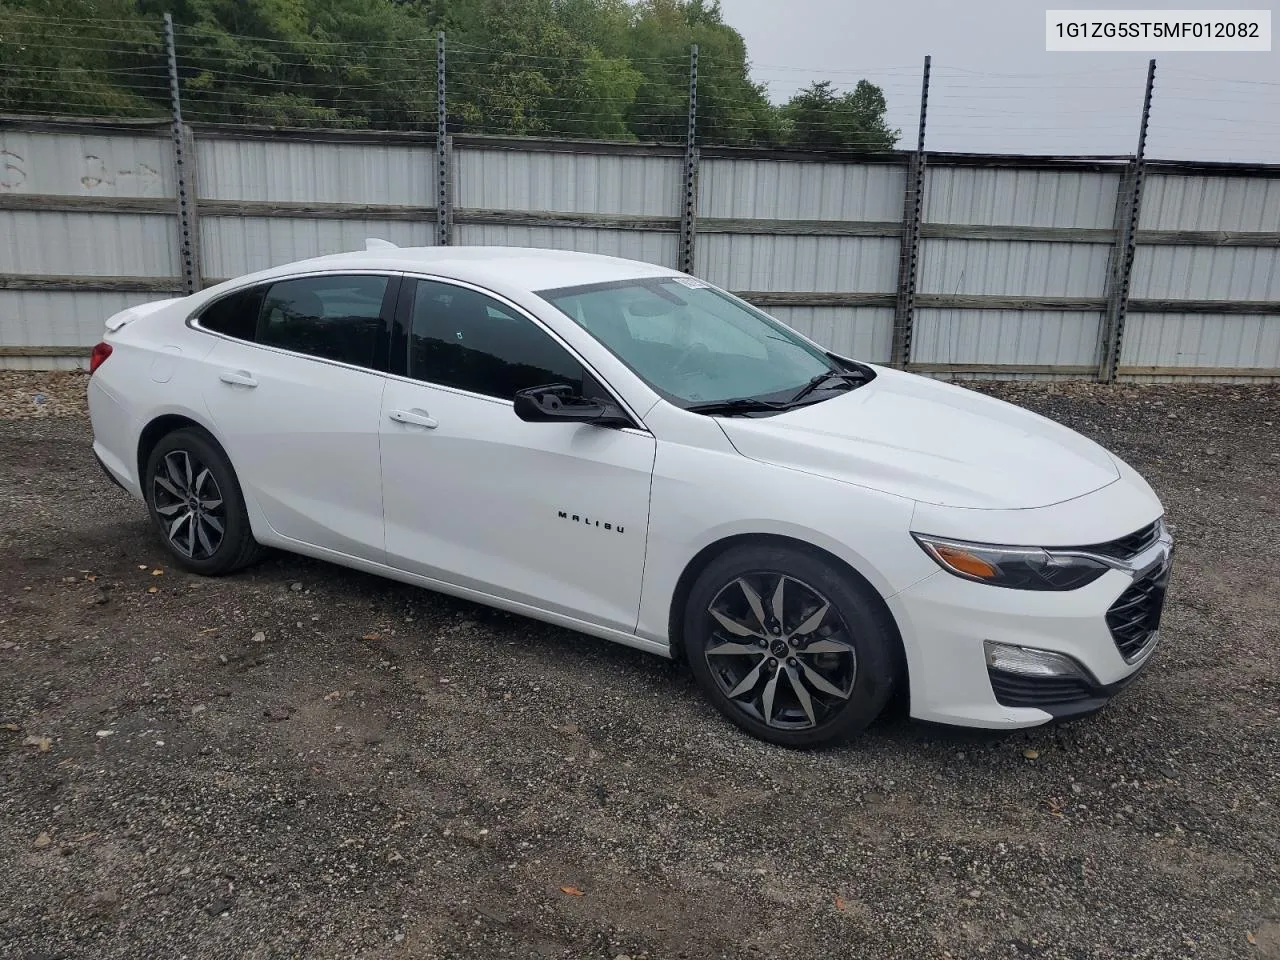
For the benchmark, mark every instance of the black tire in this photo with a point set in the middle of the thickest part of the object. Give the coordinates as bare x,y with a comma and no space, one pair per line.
848,676
170,498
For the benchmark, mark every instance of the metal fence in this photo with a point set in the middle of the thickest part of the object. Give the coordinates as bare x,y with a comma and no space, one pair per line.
1007,266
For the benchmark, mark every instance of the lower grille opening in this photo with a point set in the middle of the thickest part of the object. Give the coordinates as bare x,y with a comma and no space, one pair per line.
1019,690
1135,616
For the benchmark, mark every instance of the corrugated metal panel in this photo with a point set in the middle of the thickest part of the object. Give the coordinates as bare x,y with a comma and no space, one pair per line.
1013,267
88,244
659,248
1201,340
1003,377
232,246
781,190
295,171
1210,203
85,166
1206,273
54,318
863,333
799,264
1024,198
43,363
1062,338
567,182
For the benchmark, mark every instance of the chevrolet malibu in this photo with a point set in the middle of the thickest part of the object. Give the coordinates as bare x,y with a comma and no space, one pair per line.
635,454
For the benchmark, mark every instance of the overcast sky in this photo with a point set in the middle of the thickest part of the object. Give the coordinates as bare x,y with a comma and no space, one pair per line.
995,88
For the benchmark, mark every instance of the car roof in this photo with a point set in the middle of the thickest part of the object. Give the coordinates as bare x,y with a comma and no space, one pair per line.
499,268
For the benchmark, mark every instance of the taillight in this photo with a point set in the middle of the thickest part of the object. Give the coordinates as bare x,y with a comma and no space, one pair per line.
100,353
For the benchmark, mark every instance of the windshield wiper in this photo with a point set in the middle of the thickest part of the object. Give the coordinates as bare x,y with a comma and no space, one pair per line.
851,378
737,405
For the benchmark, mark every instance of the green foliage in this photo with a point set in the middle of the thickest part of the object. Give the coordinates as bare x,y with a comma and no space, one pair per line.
592,68
819,117
52,62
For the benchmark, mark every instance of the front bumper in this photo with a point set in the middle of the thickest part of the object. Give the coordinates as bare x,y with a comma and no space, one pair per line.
1061,697
945,622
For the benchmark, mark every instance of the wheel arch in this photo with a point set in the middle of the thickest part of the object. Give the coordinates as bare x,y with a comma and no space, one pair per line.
160,427
703,558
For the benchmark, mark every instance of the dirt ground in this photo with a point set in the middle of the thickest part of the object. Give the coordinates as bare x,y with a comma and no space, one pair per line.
301,761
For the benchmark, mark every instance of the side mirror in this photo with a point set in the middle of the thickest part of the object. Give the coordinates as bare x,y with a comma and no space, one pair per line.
559,403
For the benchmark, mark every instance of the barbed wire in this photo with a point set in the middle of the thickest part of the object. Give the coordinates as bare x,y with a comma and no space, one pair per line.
111,68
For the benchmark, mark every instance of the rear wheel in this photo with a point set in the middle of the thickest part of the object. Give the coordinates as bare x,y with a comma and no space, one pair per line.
196,503
789,647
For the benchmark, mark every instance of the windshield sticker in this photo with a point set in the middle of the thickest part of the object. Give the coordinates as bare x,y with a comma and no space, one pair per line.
691,283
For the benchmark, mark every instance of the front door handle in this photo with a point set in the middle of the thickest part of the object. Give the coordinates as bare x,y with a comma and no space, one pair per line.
414,419
239,378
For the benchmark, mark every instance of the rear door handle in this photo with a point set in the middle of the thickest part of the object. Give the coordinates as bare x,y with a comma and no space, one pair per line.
239,378
415,419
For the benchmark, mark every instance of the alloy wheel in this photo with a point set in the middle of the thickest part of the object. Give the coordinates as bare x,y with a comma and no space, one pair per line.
780,651
190,505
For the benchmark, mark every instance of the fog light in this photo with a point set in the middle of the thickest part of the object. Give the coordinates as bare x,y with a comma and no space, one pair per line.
1029,662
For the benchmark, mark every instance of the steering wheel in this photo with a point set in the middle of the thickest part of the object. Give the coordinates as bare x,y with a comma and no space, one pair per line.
697,348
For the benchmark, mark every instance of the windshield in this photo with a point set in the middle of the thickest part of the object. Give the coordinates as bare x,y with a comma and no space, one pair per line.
691,342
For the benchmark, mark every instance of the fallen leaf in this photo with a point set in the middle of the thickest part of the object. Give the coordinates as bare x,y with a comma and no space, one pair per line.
336,695
1031,754
42,841
572,891
208,630
258,637
1251,938
91,578
157,572
11,727
43,743
102,734
142,566
371,636
153,589
840,903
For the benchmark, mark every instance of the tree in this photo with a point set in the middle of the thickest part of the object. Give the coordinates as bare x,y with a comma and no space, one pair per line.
616,69
52,62
819,117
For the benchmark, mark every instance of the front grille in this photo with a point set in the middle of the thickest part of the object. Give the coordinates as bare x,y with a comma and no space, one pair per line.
1127,547
1016,690
1135,616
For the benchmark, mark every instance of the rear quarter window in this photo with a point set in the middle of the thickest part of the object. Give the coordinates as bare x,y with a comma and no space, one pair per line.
235,315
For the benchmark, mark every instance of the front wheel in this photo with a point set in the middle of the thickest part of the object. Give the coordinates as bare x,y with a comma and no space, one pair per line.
789,647
195,500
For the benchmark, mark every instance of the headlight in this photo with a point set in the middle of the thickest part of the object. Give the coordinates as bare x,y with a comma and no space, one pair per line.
1019,568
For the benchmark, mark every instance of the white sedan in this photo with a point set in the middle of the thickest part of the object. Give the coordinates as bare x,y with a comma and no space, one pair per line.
630,452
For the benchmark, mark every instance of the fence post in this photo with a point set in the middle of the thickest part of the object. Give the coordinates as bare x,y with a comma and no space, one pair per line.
187,222
444,155
689,207
913,204
1128,210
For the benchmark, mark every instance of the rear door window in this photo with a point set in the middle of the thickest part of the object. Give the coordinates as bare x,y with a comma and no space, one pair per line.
338,318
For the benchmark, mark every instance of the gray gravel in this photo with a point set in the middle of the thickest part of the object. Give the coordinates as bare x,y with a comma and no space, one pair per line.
302,761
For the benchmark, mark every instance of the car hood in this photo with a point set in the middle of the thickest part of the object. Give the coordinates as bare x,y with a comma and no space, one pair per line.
932,442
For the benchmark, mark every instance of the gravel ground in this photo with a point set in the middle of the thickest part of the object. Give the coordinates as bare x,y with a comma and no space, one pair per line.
301,761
